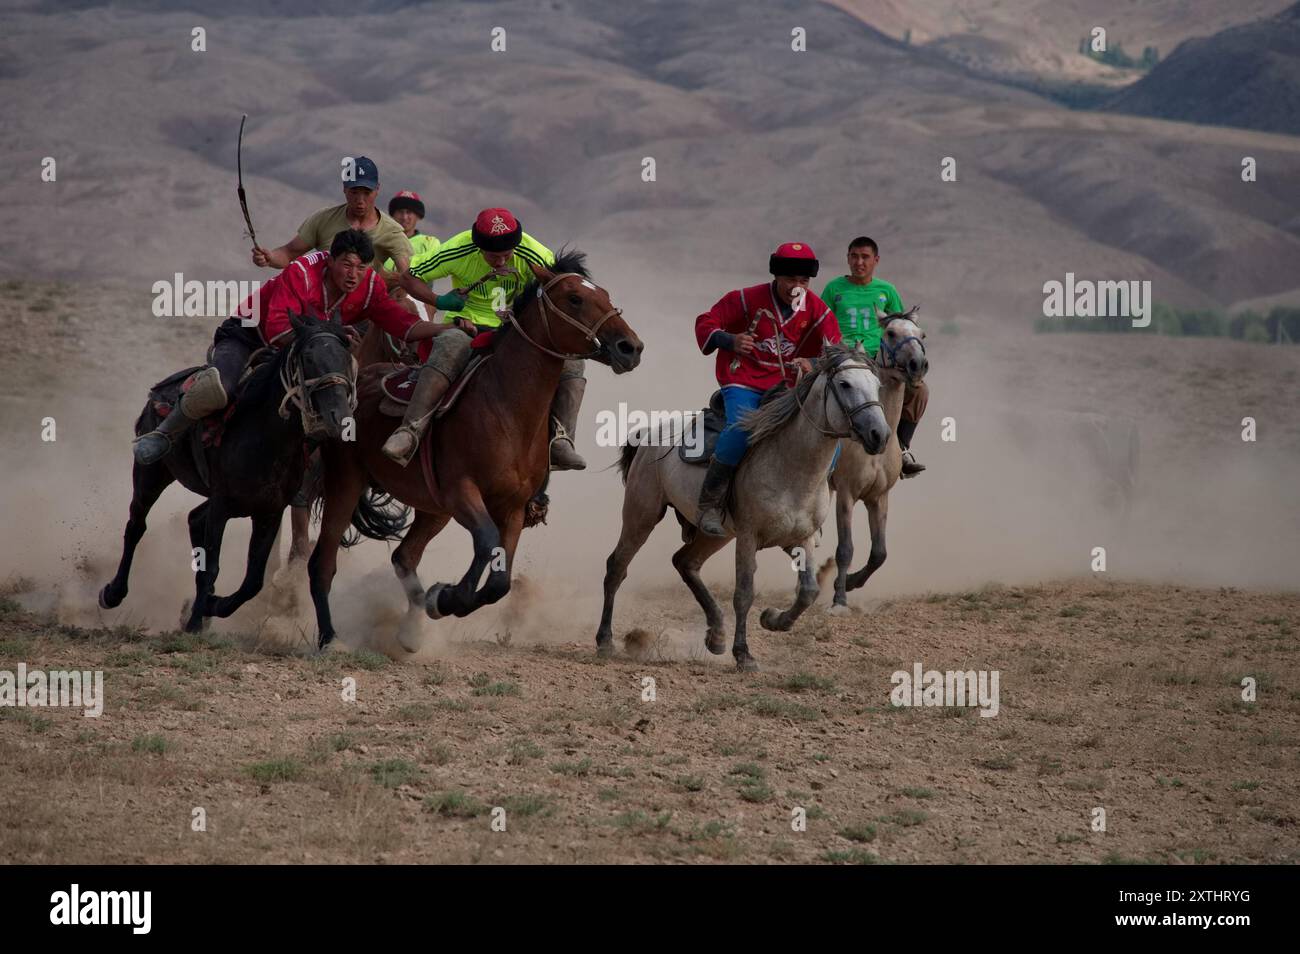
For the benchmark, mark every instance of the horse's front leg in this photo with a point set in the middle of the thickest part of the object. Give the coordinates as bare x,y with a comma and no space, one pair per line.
805,594
877,513
444,599
844,504
344,485
209,562
266,528
746,563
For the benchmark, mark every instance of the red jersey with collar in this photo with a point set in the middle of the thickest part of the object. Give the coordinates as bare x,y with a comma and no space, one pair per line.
755,311
301,288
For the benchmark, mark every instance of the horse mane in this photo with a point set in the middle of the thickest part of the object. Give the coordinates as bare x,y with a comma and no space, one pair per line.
909,315
772,416
566,260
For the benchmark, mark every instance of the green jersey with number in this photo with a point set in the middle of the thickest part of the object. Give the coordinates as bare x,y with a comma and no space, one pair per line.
460,259
858,309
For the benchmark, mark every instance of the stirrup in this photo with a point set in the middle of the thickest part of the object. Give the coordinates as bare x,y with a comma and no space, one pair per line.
911,466
400,458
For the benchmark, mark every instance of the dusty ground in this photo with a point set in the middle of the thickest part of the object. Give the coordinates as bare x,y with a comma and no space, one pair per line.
1117,696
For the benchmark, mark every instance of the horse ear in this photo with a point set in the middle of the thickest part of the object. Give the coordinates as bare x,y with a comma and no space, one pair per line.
542,274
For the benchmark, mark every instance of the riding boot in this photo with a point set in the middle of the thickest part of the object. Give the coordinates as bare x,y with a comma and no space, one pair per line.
564,417
205,396
911,466
713,497
429,389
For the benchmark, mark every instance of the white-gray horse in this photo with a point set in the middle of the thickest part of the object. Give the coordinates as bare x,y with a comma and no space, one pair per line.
780,494
901,360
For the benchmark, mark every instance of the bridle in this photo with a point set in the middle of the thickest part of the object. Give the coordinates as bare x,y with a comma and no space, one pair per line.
829,374
549,308
299,391
890,353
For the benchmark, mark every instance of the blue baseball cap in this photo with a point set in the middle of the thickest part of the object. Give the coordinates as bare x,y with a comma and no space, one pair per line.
363,172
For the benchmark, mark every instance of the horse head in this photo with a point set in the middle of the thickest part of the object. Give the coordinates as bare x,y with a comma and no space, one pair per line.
856,410
578,318
322,376
902,345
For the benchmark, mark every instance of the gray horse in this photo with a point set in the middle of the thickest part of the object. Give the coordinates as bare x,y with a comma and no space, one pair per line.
869,478
780,494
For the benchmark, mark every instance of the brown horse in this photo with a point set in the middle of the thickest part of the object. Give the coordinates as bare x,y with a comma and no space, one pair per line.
490,454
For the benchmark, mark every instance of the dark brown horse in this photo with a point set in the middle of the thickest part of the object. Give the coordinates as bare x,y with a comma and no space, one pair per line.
490,454
376,347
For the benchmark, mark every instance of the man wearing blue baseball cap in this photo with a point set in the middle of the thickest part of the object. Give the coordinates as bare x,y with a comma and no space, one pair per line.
360,188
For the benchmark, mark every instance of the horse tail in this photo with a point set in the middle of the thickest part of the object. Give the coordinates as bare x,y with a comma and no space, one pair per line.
625,459
378,517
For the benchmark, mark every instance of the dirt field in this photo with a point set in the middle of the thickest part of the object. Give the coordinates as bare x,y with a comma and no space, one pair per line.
1117,696
1114,693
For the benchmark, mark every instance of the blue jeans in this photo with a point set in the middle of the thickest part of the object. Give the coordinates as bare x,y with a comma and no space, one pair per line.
734,441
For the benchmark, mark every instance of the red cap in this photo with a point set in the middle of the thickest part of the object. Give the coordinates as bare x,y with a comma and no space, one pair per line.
496,230
406,199
793,258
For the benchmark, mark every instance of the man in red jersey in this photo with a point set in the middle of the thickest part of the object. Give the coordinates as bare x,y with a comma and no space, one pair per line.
319,284
764,335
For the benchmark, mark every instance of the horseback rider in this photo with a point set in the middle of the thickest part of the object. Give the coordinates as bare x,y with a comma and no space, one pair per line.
407,209
859,301
338,282
764,336
489,265
360,188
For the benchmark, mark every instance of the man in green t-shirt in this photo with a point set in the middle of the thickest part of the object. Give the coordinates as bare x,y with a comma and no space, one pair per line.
489,265
360,187
859,299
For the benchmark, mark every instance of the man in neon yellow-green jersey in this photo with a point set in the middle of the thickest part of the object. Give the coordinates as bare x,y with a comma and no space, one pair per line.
859,300
489,265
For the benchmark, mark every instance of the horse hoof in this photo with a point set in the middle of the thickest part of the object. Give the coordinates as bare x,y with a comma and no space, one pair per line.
716,643
771,619
106,600
605,647
431,600
746,663
838,609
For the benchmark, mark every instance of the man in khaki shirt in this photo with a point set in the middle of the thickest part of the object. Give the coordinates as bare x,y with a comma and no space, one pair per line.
360,188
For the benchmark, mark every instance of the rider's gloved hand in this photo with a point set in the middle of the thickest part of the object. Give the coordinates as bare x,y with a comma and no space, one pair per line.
449,301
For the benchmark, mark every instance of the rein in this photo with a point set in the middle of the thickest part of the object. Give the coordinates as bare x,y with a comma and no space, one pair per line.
830,374
545,303
298,391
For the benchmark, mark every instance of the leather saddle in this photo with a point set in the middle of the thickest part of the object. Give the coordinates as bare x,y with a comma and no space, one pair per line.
398,386
715,421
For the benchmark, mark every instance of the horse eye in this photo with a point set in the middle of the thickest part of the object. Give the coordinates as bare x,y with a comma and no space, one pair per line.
845,385
575,300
